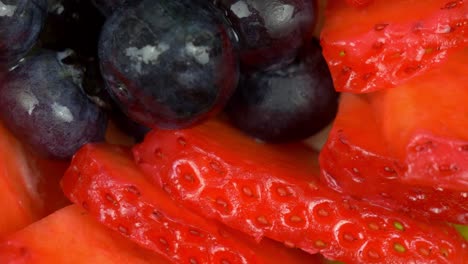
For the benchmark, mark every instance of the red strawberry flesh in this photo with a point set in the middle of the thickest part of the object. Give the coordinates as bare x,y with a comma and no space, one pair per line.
389,42
273,191
105,181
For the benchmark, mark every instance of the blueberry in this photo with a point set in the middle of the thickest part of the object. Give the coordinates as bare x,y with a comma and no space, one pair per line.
270,32
286,104
20,24
169,63
107,7
42,103
76,25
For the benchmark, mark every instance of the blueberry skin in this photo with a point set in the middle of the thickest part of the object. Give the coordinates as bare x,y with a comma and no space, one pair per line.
107,7
169,64
270,32
21,22
41,102
286,104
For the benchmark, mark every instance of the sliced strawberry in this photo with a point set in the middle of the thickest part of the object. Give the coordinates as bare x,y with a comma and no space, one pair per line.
357,160
273,191
390,42
105,181
426,122
71,236
29,188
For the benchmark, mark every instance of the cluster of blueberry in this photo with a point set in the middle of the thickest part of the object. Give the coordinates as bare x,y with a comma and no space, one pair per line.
162,63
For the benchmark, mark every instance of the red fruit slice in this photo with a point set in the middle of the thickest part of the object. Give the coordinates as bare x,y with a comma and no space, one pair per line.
357,160
390,42
24,196
272,191
107,183
426,122
71,236
359,3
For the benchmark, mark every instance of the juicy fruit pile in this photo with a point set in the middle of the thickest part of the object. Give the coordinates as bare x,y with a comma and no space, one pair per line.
185,186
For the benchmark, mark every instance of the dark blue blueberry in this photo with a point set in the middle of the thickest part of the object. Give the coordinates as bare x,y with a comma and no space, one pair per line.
41,101
20,24
76,25
169,63
270,32
286,104
107,7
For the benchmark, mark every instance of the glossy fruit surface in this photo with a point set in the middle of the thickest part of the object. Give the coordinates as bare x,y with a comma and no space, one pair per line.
107,7
105,181
389,42
20,24
41,101
286,104
169,63
270,32
273,191
357,161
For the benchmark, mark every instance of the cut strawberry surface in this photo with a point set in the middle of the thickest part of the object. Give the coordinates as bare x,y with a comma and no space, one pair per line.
71,236
427,125
105,181
357,160
389,42
273,191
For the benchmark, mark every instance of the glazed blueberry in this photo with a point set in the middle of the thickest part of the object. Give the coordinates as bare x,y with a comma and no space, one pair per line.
168,63
20,24
41,102
270,31
286,104
107,7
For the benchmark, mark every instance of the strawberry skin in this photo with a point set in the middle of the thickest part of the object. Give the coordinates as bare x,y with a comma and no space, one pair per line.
273,191
414,138
359,3
390,42
104,180
357,160
62,230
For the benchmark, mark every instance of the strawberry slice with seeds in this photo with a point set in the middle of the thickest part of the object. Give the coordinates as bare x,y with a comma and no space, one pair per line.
105,181
73,237
389,42
427,125
273,191
358,161
414,138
